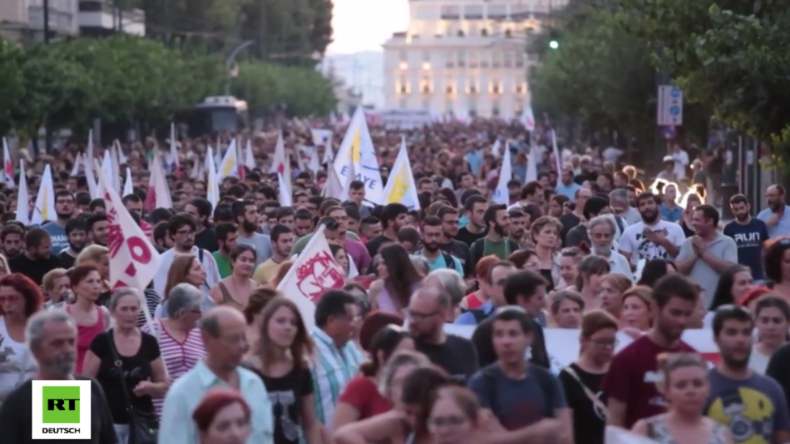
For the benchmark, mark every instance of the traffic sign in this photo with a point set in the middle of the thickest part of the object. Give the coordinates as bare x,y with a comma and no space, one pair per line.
668,132
670,106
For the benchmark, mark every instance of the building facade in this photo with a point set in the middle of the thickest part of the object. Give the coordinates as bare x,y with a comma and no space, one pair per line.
464,57
23,20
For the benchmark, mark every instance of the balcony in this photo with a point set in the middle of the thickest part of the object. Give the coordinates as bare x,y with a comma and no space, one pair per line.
100,17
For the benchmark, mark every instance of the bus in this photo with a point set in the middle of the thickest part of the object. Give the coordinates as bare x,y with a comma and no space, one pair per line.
217,114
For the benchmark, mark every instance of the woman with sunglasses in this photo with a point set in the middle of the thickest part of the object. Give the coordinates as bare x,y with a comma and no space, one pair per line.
581,380
180,343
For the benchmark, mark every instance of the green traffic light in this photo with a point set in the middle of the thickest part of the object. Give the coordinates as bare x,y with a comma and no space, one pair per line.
554,44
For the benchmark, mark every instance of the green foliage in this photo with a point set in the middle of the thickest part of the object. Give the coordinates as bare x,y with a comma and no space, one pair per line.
730,55
127,80
284,30
598,74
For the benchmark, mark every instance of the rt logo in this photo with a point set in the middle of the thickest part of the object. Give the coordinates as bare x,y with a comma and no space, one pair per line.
61,405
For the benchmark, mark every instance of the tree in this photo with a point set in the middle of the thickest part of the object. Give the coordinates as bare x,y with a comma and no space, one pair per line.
731,56
12,82
597,74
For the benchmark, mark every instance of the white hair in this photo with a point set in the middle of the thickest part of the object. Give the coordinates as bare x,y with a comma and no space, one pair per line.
34,331
183,297
450,282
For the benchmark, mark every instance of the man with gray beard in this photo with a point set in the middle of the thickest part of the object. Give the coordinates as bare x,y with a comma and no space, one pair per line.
601,230
52,341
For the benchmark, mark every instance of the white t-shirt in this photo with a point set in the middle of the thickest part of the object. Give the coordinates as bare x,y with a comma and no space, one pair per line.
681,159
636,247
17,364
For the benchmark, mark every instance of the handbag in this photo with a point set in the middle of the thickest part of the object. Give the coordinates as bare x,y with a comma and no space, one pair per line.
143,426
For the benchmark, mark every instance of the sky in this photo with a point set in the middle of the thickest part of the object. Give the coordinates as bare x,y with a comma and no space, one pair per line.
363,25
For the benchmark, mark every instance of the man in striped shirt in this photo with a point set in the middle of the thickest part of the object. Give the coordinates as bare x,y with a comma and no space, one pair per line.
337,357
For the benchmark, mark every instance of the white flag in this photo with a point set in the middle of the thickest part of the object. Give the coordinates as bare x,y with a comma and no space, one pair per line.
528,119
357,150
495,150
158,191
286,196
115,163
249,159
314,272
78,163
22,197
212,185
133,260
532,164
280,160
501,195
557,155
314,165
93,187
401,187
128,187
333,187
44,209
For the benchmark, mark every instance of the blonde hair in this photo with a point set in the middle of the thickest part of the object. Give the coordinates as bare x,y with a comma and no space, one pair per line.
618,280
48,282
92,253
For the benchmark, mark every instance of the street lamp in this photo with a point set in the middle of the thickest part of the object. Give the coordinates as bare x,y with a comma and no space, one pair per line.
554,44
231,61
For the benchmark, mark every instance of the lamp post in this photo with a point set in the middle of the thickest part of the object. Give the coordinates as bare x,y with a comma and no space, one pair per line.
232,60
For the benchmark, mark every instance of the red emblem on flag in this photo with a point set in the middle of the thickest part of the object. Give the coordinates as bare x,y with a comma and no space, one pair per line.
318,274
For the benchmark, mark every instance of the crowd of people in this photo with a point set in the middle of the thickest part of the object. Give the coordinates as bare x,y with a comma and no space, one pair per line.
212,353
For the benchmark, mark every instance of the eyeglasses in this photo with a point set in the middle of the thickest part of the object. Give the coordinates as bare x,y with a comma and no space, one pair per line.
417,316
186,233
605,342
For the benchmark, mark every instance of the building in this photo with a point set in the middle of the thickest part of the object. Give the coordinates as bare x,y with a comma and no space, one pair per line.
23,20
464,57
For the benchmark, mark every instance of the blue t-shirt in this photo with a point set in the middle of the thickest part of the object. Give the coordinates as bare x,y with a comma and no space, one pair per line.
753,409
750,239
58,235
672,215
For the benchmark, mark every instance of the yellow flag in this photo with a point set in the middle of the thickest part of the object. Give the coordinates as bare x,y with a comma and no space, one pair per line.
400,186
355,155
45,206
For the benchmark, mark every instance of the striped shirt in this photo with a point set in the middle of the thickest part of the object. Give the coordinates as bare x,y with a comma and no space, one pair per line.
332,369
179,357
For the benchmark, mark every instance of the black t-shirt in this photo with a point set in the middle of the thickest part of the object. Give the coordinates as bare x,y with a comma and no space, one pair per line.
286,394
461,252
207,240
66,260
779,368
374,244
457,356
16,422
568,221
136,368
34,269
588,419
467,237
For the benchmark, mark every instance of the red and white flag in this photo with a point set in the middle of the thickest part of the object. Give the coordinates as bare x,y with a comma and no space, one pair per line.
8,166
279,160
314,272
133,259
528,119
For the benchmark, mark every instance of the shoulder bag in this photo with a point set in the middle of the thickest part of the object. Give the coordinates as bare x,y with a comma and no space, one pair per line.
143,426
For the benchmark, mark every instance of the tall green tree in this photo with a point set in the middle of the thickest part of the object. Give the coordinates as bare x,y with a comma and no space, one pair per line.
12,82
730,55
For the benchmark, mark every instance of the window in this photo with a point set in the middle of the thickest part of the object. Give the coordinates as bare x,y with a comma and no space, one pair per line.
496,59
519,12
507,59
461,58
424,12
450,12
495,87
497,12
473,12
472,87
426,56
426,86
519,59
473,59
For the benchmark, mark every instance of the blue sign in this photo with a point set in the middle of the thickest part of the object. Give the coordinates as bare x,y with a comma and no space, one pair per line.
668,132
675,93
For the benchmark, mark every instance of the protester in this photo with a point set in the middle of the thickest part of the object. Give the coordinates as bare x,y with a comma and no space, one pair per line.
223,417
20,299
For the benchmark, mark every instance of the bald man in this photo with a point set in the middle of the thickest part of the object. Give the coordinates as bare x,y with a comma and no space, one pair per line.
224,334
428,309
776,216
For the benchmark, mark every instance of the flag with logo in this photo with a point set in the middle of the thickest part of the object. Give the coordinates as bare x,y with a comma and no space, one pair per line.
8,166
133,260
279,159
22,197
401,187
528,119
314,272
44,209
357,154
230,164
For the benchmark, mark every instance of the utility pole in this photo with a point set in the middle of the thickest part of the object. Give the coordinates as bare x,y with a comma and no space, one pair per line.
46,21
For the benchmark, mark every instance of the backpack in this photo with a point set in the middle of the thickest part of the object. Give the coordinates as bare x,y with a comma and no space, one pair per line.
545,381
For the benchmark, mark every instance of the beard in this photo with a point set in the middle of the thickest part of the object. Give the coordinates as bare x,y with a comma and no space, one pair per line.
65,215
742,217
649,217
62,365
498,229
75,248
431,247
249,227
604,250
735,363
